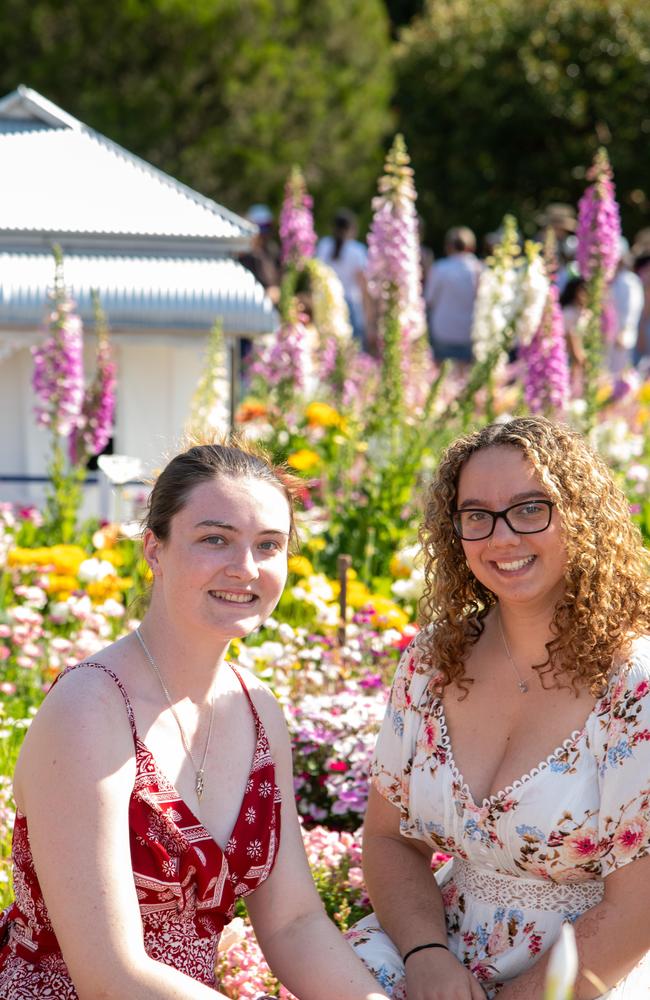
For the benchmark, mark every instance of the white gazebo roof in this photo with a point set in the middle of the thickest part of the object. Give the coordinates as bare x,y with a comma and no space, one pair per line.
160,254
138,293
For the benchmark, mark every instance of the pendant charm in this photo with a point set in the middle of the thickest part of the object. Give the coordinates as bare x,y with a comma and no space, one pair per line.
199,784
523,687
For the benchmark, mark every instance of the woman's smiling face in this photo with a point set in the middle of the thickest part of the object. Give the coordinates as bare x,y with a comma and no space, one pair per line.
520,569
224,564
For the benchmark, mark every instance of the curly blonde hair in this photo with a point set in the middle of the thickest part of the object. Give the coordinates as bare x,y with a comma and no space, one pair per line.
607,591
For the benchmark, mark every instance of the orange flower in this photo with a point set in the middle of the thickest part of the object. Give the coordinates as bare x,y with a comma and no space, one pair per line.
250,409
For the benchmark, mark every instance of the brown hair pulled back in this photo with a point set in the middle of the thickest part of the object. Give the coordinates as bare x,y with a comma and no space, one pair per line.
607,590
232,459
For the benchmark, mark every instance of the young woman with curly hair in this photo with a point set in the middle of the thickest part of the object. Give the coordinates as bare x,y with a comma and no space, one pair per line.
517,738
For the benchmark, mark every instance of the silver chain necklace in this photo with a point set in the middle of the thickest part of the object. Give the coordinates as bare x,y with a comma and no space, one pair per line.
199,783
523,685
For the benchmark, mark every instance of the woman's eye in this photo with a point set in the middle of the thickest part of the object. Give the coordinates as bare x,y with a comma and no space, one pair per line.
215,539
531,509
270,546
477,515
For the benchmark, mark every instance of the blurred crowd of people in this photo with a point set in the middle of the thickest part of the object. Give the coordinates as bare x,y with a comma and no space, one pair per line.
450,284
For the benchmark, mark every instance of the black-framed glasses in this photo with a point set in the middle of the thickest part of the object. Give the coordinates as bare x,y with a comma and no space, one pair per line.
472,523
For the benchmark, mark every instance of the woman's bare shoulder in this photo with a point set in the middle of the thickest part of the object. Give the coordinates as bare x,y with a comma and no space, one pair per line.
83,720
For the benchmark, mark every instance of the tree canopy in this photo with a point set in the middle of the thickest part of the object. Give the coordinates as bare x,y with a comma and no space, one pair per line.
224,94
503,105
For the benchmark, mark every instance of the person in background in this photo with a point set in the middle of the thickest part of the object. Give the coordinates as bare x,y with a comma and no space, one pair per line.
517,735
642,270
626,296
348,258
263,259
154,787
575,315
427,255
449,295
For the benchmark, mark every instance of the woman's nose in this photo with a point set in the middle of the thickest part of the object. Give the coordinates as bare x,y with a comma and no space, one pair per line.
242,563
503,532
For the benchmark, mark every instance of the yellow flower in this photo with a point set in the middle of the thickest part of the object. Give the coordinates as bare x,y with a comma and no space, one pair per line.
603,393
322,415
111,555
397,568
300,565
357,594
58,583
64,558
303,459
108,587
316,544
643,395
387,614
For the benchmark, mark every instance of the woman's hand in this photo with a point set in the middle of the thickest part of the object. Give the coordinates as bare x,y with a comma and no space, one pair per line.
436,974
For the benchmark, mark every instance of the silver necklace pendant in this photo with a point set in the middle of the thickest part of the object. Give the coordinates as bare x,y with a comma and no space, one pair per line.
198,787
523,687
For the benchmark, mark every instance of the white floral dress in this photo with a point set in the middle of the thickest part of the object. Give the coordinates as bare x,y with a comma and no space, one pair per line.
530,856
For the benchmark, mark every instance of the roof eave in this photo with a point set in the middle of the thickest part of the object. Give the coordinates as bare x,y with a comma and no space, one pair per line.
21,240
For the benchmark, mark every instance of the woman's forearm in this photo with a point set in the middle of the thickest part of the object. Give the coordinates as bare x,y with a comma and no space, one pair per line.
610,943
403,892
150,980
312,959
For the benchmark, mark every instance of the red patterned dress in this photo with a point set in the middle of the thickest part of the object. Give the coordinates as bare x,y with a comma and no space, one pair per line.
186,885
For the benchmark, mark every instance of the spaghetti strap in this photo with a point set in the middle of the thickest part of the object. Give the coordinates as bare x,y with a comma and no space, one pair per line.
122,689
239,677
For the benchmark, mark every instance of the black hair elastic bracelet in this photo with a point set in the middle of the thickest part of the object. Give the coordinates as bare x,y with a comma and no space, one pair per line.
421,947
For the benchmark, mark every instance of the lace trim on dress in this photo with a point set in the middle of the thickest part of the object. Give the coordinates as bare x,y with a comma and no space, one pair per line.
568,744
498,889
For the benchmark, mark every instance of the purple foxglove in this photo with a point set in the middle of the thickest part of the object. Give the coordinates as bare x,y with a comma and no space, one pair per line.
297,236
394,246
283,362
58,377
599,222
546,365
95,424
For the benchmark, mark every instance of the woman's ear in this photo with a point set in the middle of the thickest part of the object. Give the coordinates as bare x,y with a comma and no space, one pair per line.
151,545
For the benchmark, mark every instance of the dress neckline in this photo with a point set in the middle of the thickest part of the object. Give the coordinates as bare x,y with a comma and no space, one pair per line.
159,774
523,779
260,735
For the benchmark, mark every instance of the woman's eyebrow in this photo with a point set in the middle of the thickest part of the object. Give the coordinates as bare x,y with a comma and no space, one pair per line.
211,523
515,498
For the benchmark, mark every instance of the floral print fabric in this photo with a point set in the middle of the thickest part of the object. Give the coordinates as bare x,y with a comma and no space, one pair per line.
532,855
186,885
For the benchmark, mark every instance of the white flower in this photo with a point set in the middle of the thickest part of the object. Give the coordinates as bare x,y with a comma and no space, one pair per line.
95,569
638,473
410,589
232,934
534,288
112,608
120,469
268,651
328,614
60,612
285,632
